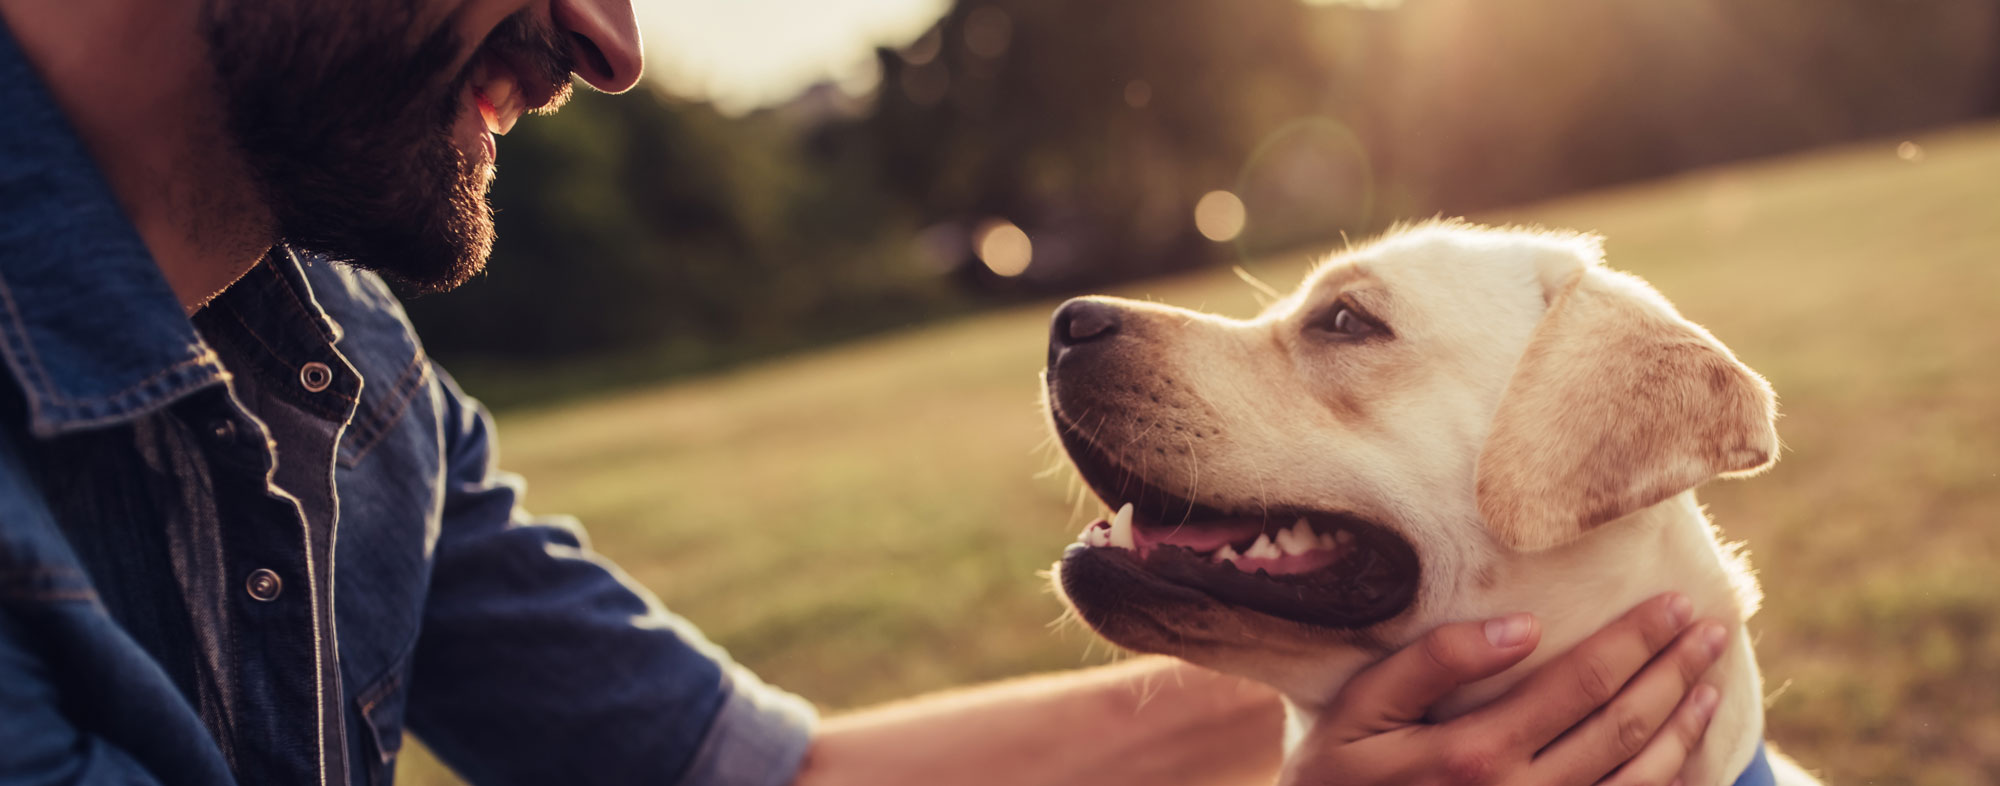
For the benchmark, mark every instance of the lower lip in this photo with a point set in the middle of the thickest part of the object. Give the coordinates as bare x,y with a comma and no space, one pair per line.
492,149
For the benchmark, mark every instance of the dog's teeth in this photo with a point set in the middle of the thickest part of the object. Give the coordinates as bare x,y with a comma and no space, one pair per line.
1298,538
1324,541
1302,533
1285,542
1121,529
1343,537
1263,549
1226,554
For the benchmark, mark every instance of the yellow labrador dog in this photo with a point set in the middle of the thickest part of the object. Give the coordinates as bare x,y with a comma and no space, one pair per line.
1452,423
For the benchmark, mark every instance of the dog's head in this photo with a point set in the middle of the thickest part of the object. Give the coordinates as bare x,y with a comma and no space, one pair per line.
1314,487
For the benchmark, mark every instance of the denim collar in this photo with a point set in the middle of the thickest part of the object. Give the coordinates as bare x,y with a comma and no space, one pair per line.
88,326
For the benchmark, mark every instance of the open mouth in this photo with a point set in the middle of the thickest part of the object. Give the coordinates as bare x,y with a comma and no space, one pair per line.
1321,568
499,93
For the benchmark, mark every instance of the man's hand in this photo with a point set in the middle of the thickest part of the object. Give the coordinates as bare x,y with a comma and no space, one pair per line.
1583,718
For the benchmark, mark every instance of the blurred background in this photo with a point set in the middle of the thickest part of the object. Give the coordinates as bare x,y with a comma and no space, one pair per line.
789,298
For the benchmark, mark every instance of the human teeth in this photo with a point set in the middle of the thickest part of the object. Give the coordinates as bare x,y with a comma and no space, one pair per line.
506,100
1226,554
1263,549
1121,528
500,101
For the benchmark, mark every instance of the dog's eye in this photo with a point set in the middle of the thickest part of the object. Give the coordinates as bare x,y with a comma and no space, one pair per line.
1344,322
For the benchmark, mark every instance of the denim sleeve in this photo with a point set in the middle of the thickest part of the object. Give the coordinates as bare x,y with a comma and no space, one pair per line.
541,662
41,745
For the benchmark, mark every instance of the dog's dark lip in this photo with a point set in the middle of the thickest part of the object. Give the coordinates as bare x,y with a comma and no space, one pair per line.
1375,583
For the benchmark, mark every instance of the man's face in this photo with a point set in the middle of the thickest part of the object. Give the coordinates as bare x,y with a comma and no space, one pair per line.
368,124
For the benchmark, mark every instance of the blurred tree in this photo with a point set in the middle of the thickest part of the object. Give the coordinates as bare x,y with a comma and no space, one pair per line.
636,225
659,236
1095,126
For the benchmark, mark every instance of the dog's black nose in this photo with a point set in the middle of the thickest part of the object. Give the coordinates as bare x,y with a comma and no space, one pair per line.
1082,320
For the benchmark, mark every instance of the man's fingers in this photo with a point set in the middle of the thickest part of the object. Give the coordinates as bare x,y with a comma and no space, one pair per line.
1400,689
1566,690
1625,727
1660,763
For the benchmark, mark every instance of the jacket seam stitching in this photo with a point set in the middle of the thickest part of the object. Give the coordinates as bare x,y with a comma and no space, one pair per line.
380,420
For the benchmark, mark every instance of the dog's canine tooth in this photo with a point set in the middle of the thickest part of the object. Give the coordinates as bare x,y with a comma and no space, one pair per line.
1121,529
1226,554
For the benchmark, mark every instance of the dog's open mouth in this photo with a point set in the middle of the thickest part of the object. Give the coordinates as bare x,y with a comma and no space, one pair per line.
1315,567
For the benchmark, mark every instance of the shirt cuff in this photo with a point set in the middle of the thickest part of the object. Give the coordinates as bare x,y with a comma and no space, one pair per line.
758,738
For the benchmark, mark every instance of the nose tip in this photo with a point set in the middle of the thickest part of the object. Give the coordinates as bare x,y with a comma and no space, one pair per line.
1083,320
604,35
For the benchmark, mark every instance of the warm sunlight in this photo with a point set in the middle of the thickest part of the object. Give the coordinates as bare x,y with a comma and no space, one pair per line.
744,54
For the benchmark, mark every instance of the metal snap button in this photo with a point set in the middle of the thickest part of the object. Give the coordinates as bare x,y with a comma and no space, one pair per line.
264,585
315,376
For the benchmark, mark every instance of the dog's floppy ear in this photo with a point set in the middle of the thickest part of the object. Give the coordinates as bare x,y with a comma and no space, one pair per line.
1618,403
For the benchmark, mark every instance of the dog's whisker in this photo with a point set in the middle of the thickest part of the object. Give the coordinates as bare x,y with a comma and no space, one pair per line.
1267,293
1194,480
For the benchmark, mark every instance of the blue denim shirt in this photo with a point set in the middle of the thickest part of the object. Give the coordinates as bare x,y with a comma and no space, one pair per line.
258,544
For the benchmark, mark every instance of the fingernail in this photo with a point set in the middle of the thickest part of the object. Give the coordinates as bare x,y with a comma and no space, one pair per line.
1714,637
1680,609
1508,631
1705,696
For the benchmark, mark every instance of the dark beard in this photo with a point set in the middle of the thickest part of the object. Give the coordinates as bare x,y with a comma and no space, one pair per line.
347,128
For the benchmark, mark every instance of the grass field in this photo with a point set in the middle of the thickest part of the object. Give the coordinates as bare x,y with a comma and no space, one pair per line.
867,522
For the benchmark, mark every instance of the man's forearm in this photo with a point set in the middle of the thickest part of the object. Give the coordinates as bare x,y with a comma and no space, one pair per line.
1145,721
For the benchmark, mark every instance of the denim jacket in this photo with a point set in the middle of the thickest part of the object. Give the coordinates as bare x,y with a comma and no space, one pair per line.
257,544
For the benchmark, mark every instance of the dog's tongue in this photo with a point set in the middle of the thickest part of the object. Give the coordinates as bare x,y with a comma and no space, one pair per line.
1206,536
1295,550
1127,530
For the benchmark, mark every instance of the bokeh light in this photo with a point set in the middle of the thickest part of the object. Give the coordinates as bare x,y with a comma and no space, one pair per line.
988,31
1138,93
1004,248
1219,215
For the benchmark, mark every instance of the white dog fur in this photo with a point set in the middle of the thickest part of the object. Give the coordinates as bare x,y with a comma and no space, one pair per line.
1534,429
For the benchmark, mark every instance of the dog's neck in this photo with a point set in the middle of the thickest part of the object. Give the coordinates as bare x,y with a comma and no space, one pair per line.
1669,546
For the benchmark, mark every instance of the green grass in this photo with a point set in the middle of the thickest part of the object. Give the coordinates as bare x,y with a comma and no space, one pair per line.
867,522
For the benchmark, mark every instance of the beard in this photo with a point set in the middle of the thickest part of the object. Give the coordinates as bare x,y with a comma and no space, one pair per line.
346,125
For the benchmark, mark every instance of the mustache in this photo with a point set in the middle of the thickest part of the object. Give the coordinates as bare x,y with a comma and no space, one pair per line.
540,56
